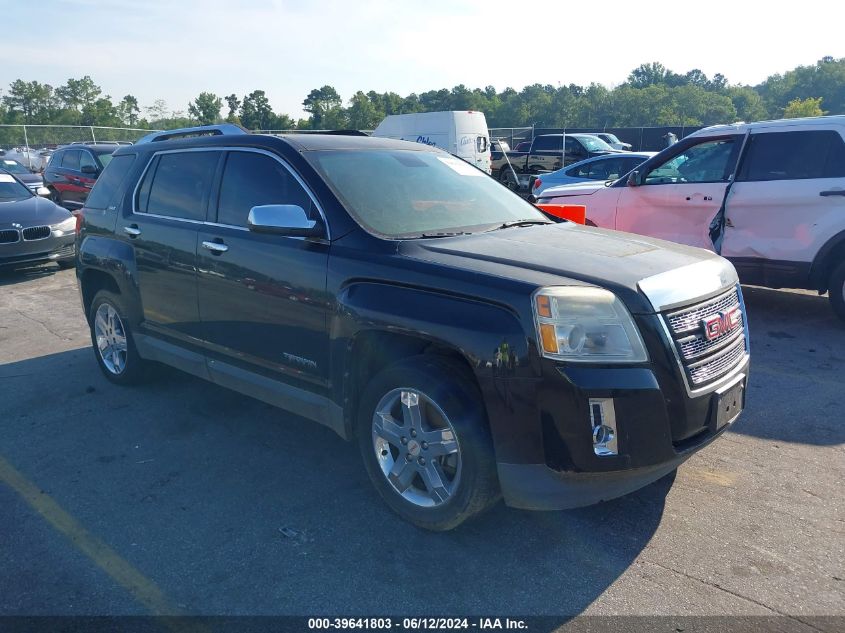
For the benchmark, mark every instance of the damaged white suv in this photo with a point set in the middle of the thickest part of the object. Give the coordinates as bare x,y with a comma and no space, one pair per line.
769,196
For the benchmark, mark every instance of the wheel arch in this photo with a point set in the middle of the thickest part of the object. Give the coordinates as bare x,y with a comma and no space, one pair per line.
826,260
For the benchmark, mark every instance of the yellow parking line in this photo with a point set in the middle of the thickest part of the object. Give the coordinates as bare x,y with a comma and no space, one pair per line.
139,586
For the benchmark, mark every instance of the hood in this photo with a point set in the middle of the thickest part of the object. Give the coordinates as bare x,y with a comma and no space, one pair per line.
575,189
34,211
560,254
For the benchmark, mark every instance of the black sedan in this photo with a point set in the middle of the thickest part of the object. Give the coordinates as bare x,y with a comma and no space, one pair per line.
31,180
33,229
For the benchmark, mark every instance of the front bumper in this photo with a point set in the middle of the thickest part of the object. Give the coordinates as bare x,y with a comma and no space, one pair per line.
547,459
49,249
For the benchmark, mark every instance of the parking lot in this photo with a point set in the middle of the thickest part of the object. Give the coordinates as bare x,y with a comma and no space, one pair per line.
182,497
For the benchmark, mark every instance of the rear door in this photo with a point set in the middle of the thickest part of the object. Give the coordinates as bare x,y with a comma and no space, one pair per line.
67,182
168,209
89,169
679,198
262,297
787,201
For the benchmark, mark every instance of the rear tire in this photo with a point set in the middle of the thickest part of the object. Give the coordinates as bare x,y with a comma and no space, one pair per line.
836,290
111,336
428,408
506,177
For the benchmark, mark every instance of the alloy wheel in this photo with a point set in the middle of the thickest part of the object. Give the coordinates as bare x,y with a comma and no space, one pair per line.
111,338
416,447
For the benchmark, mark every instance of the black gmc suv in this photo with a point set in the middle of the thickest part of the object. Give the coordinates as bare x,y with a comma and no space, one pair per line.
402,297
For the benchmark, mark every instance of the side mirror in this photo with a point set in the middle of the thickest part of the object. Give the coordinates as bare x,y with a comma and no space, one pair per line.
634,178
88,169
43,192
283,219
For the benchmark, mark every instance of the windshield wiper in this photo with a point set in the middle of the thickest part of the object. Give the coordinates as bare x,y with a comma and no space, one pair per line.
507,225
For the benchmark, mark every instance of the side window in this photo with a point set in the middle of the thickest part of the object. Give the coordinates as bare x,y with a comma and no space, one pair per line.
709,161
71,160
56,159
574,149
177,185
104,192
793,156
582,171
251,179
86,160
481,144
546,143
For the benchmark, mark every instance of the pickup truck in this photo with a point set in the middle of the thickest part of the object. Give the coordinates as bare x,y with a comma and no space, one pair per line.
471,348
549,152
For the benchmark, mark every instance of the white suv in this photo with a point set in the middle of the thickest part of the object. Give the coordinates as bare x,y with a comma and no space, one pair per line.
769,196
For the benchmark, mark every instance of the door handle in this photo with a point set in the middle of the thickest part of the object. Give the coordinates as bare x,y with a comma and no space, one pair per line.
215,247
132,230
832,192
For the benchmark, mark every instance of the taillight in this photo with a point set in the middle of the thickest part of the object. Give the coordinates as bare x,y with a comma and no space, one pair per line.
78,215
537,183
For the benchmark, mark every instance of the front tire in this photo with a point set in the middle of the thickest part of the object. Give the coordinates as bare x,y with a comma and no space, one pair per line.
423,435
836,290
111,337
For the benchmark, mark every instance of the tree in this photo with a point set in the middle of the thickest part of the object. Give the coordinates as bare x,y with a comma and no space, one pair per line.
319,103
100,112
128,110
78,94
803,107
256,113
648,75
32,102
206,108
234,105
362,114
158,111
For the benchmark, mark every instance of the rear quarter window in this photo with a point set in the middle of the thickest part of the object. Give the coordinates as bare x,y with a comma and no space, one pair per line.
110,182
795,155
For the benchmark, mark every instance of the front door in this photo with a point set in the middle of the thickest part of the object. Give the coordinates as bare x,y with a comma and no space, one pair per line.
678,199
262,298
787,201
163,229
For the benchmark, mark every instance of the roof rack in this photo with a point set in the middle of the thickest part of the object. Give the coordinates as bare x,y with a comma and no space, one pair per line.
224,129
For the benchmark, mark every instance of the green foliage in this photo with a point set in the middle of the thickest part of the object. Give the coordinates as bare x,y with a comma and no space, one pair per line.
803,107
206,108
652,95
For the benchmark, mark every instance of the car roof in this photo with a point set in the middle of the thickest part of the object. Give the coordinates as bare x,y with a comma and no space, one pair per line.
105,147
740,127
316,142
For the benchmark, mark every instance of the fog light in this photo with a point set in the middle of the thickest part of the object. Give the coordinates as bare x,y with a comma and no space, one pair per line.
603,420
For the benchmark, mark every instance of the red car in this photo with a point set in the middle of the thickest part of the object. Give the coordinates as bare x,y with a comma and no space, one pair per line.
72,172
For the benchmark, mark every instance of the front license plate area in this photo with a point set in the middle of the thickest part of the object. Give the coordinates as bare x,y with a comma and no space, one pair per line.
729,404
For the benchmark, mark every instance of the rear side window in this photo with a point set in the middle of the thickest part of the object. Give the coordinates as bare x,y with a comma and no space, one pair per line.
794,156
56,159
109,182
177,185
71,160
251,179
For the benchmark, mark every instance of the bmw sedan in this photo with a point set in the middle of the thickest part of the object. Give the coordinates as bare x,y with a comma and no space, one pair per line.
33,229
607,167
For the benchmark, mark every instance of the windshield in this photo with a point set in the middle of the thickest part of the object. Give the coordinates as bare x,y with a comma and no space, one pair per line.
104,158
610,138
11,189
593,143
407,194
13,167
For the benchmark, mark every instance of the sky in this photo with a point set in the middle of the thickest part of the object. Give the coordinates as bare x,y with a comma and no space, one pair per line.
175,49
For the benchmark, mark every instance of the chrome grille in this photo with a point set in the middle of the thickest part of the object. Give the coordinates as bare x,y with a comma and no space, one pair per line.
720,364
9,236
706,359
690,318
36,232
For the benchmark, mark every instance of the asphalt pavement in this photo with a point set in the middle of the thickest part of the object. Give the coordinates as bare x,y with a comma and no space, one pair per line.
183,497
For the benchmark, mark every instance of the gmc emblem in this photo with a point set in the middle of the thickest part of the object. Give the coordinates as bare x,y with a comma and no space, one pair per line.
721,323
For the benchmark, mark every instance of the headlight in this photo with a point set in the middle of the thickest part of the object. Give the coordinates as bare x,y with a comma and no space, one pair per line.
65,226
586,325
